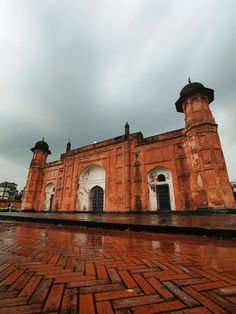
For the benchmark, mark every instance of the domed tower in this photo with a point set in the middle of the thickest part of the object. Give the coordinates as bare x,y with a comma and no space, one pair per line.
35,175
210,187
194,102
40,153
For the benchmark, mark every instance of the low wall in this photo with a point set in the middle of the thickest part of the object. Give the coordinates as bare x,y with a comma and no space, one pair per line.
15,204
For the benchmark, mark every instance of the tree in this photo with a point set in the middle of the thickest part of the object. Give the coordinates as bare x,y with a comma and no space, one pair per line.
19,195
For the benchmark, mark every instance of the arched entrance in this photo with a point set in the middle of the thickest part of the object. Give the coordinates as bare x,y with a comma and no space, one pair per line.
97,199
91,189
49,197
163,193
51,201
160,188
163,198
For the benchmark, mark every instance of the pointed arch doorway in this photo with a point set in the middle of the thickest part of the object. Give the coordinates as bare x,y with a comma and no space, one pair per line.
91,189
163,198
160,188
97,197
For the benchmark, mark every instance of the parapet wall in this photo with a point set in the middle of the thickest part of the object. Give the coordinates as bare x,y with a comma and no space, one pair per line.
15,204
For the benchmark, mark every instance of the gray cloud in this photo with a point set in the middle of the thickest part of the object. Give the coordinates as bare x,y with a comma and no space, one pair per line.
81,69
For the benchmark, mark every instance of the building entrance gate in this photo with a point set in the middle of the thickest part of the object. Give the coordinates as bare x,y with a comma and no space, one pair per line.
51,201
97,196
163,197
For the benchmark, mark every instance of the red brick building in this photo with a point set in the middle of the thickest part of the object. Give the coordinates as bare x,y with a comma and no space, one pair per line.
174,171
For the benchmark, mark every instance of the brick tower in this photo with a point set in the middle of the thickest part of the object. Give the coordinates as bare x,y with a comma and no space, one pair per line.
35,175
209,182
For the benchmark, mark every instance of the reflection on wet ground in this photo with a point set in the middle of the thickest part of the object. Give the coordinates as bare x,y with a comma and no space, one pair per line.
220,252
137,260
219,221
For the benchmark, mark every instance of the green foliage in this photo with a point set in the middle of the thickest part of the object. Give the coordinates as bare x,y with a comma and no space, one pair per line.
3,209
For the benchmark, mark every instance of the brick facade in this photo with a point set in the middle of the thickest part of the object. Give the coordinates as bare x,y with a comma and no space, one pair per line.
178,170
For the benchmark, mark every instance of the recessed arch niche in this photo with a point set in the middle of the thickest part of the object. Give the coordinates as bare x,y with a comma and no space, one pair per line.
91,177
49,196
160,190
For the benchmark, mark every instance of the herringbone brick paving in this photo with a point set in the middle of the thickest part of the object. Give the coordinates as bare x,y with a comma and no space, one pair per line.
55,269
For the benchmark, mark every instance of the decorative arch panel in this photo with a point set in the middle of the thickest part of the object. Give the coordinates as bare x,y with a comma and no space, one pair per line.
160,190
89,178
49,197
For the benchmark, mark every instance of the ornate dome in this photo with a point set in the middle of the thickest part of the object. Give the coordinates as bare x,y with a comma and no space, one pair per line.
41,145
191,89
191,86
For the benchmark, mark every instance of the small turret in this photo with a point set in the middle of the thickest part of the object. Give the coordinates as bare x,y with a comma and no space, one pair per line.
68,147
194,101
41,146
126,129
40,153
190,90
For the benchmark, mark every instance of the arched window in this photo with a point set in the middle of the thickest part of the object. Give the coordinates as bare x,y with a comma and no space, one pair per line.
161,178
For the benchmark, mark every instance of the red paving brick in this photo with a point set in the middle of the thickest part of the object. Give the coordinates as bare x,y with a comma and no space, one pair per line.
55,269
31,286
232,299
144,285
136,301
101,272
34,308
86,304
127,278
70,301
54,298
102,288
104,308
13,301
13,277
116,294
180,294
162,290
159,308
41,292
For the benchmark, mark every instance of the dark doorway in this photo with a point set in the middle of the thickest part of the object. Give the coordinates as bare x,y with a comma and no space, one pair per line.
51,201
97,199
163,197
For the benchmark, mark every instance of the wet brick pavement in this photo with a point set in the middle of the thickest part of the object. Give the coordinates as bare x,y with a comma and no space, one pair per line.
70,269
218,224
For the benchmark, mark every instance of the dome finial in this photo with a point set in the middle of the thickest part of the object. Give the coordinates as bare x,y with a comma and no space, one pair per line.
189,81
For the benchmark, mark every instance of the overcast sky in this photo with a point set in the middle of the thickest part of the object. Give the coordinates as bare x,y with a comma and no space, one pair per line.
80,69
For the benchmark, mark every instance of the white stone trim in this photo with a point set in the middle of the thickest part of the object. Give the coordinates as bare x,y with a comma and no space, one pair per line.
90,177
153,183
49,191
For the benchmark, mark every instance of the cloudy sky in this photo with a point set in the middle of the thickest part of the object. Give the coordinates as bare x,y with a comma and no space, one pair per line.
80,69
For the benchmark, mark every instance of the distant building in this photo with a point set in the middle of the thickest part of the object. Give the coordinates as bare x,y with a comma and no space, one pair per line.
178,170
8,191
